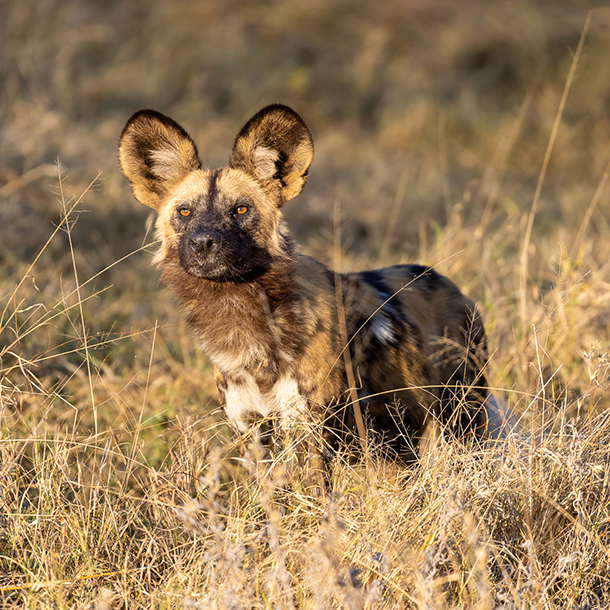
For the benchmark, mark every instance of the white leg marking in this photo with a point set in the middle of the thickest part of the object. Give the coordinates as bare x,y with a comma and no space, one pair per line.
244,400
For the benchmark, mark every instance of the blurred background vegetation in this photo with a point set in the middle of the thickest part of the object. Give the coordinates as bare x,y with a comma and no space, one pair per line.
431,121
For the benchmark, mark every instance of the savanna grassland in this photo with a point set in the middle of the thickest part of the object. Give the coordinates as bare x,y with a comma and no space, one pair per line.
470,136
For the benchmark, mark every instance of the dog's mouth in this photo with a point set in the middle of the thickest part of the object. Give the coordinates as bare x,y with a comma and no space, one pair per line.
212,272
205,271
206,266
222,268
210,255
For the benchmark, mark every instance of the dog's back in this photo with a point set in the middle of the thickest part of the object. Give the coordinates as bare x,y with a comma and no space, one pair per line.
416,348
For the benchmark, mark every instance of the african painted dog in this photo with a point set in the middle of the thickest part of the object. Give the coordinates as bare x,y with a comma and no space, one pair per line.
393,351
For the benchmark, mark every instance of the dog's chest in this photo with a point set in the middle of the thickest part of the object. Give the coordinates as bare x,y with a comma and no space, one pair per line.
245,400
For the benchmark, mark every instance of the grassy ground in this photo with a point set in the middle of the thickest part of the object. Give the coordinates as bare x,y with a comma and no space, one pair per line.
470,136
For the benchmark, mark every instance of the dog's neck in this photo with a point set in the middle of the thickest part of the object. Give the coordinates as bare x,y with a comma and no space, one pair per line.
242,326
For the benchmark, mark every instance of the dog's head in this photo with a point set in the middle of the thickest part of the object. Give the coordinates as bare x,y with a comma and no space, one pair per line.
223,224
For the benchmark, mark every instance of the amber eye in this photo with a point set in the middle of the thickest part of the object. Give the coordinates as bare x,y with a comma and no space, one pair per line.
184,212
241,209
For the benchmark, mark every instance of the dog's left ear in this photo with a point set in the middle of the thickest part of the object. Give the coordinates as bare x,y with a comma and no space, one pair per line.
275,147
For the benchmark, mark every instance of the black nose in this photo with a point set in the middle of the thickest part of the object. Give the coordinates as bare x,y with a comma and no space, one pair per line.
204,241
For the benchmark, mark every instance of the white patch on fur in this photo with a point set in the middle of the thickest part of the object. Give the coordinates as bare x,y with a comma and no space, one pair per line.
245,399
382,329
166,163
231,361
166,241
264,162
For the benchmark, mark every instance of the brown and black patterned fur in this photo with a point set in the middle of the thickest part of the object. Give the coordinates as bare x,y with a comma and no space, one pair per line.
268,317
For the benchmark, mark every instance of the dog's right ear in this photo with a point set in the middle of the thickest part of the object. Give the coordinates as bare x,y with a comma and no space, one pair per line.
155,153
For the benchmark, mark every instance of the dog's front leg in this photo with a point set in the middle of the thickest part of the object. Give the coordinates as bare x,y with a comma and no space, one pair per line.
302,440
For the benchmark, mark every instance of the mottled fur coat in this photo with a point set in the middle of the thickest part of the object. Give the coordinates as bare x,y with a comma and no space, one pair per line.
287,336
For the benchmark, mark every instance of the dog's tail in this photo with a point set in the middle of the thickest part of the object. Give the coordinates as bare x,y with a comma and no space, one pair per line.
501,421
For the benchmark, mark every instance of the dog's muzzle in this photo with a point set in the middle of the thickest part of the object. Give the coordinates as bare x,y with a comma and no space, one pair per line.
204,241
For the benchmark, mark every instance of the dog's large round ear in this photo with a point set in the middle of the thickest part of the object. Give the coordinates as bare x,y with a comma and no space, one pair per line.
155,153
275,146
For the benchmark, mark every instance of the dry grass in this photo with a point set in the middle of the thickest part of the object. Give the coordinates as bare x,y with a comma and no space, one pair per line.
440,132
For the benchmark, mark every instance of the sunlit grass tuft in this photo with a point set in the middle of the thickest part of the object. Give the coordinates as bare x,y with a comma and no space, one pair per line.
162,505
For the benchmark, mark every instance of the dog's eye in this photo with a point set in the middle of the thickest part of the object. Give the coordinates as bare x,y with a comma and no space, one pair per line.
241,209
184,212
